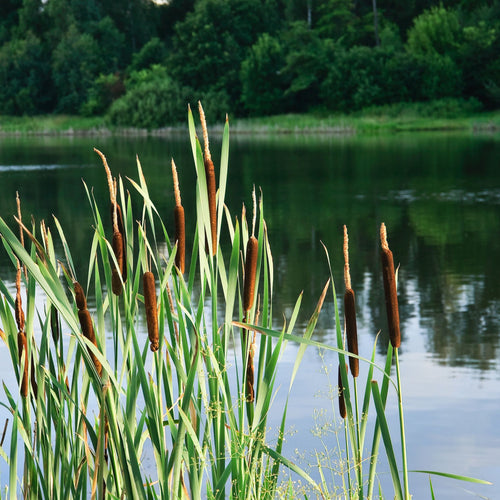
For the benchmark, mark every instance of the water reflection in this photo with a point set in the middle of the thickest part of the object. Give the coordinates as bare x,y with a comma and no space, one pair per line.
438,195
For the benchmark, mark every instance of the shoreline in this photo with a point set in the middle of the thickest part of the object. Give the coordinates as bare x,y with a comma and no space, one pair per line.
75,126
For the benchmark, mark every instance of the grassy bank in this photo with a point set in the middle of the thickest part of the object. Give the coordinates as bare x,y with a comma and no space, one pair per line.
394,118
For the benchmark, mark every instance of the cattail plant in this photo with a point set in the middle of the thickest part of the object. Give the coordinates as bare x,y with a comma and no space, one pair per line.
391,297
86,322
118,240
252,251
350,311
210,178
148,281
180,227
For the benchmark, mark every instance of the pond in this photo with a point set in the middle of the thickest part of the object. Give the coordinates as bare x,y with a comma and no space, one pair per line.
439,196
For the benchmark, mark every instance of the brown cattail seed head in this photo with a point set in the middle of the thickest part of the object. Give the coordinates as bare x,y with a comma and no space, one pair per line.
180,226
212,207
117,244
351,330
88,332
19,313
250,272
148,281
22,347
342,407
390,290
117,221
81,302
249,379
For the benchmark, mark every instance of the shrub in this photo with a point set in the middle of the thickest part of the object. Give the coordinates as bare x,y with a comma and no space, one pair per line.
262,79
156,100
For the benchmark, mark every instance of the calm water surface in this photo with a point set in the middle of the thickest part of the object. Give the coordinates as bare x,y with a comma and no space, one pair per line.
439,196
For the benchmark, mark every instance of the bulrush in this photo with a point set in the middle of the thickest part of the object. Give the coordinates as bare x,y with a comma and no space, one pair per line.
86,322
210,178
350,311
342,407
148,281
391,297
248,297
119,273
180,227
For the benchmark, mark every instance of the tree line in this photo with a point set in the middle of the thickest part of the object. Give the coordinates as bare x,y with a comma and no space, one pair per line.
139,62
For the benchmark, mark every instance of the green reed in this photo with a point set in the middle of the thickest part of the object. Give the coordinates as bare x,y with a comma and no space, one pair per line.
103,410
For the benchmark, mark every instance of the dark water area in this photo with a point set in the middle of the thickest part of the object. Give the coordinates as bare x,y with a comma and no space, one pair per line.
439,196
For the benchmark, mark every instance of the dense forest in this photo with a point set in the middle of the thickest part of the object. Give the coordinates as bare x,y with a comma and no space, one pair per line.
139,62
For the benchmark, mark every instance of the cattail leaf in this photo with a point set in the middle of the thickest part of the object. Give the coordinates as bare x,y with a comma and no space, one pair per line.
367,394
457,477
67,251
386,437
224,162
311,325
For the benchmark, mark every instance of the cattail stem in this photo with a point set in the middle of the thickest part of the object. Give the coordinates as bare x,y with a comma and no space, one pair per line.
148,281
180,226
390,289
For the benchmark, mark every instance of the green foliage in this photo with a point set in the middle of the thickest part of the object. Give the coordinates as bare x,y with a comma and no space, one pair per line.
307,62
435,32
212,47
25,86
153,100
209,46
75,65
104,91
153,52
263,81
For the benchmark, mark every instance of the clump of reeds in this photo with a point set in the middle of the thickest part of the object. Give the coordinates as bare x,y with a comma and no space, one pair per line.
210,178
119,272
148,281
22,343
86,323
350,311
390,289
180,226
